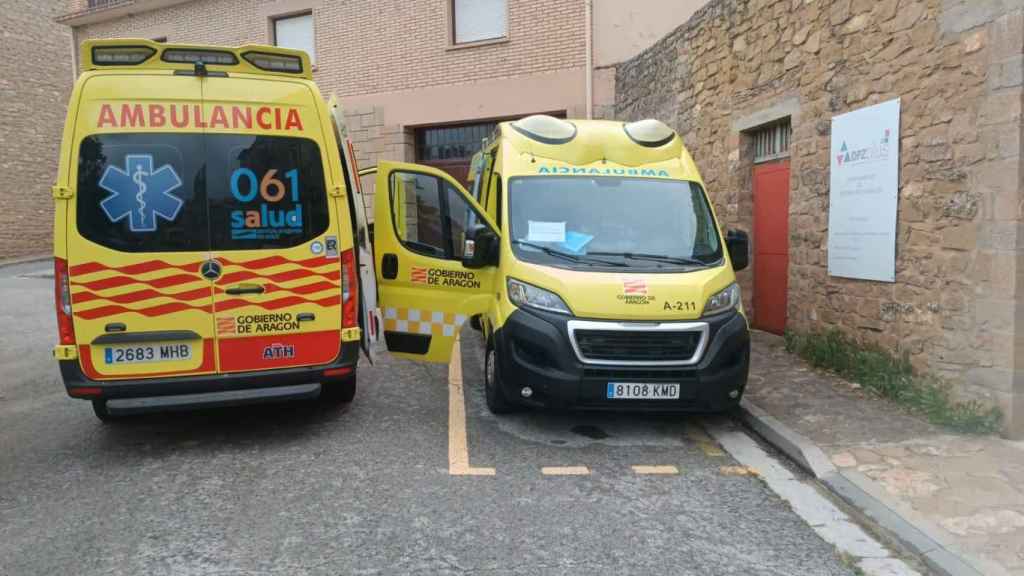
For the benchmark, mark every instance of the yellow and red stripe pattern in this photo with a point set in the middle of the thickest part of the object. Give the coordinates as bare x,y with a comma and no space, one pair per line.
156,288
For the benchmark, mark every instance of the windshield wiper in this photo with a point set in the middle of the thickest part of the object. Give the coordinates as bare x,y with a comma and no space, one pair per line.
654,257
581,258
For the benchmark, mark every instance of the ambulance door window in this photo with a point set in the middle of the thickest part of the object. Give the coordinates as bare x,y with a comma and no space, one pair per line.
143,192
416,211
430,215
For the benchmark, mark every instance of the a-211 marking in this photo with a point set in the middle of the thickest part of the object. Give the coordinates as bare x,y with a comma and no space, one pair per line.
680,306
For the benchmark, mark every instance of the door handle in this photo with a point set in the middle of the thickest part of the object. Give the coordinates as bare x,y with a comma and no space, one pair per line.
389,266
115,327
305,317
245,289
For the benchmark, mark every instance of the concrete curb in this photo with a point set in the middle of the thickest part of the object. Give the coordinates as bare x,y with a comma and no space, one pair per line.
856,490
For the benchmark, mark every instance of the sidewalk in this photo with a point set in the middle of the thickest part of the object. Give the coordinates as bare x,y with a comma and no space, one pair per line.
965,493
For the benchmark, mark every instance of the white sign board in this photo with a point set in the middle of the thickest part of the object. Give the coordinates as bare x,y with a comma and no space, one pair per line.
863,193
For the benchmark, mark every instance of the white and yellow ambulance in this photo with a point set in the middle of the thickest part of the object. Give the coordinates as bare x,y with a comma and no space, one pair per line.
588,254
209,239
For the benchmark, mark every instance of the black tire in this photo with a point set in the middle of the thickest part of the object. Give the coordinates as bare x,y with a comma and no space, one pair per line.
99,408
340,391
494,395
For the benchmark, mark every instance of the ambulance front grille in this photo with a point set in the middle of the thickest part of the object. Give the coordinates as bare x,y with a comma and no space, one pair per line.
638,344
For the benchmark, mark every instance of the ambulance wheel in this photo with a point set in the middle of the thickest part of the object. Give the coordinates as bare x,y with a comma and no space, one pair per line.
497,403
340,391
99,407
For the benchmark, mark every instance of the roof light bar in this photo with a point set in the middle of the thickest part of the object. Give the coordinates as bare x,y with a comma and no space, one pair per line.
274,62
546,129
188,56
650,133
121,55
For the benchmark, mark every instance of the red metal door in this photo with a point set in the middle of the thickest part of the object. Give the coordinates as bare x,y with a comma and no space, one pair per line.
771,245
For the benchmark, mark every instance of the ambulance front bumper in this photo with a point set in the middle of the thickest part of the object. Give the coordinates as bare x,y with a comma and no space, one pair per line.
208,390
535,350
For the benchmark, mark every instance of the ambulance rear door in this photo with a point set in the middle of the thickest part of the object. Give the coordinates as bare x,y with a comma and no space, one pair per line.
275,225
369,321
138,251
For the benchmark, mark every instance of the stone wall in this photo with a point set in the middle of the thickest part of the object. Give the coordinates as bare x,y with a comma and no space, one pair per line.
35,83
956,307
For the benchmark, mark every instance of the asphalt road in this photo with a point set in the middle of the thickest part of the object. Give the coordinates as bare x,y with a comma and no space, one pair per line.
367,488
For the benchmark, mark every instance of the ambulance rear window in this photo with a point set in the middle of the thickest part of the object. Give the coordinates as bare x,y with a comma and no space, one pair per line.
158,192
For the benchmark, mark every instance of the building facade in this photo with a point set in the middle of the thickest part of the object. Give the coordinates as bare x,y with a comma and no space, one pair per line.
420,81
752,85
35,82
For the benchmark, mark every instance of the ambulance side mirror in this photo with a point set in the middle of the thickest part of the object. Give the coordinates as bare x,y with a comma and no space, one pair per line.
481,247
738,243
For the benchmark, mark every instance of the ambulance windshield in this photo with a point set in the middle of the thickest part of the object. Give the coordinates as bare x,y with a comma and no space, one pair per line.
626,222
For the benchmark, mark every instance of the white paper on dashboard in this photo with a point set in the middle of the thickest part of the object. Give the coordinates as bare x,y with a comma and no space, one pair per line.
546,232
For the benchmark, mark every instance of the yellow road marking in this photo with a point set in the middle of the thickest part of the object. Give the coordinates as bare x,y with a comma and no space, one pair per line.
738,471
703,441
668,470
565,470
458,450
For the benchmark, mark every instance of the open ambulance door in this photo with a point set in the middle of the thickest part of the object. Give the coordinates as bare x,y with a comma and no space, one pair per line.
369,319
437,255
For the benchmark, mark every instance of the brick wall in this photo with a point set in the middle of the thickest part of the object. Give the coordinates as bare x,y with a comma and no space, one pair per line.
35,81
957,306
370,46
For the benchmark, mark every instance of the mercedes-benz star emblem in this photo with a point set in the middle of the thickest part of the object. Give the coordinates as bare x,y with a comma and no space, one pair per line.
210,270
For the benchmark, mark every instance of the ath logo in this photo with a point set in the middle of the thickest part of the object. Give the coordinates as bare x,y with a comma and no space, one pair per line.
140,193
842,154
279,351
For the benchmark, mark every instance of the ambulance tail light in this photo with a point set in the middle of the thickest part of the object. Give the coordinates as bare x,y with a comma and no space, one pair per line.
349,290
545,129
650,133
62,297
274,62
121,55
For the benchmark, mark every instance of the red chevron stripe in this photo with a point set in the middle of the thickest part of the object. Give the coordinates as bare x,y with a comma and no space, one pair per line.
304,289
138,268
160,310
327,302
139,295
118,281
278,277
269,261
154,265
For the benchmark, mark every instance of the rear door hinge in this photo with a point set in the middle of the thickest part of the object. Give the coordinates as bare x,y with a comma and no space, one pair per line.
61,192
337,191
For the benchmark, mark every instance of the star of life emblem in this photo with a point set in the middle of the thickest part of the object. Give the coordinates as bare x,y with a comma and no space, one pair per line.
140,193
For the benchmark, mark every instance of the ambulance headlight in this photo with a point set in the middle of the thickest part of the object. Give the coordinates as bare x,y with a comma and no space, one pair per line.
651,133
522,294
725,300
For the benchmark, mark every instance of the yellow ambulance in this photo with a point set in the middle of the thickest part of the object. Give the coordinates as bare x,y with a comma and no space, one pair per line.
589,256
210,242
